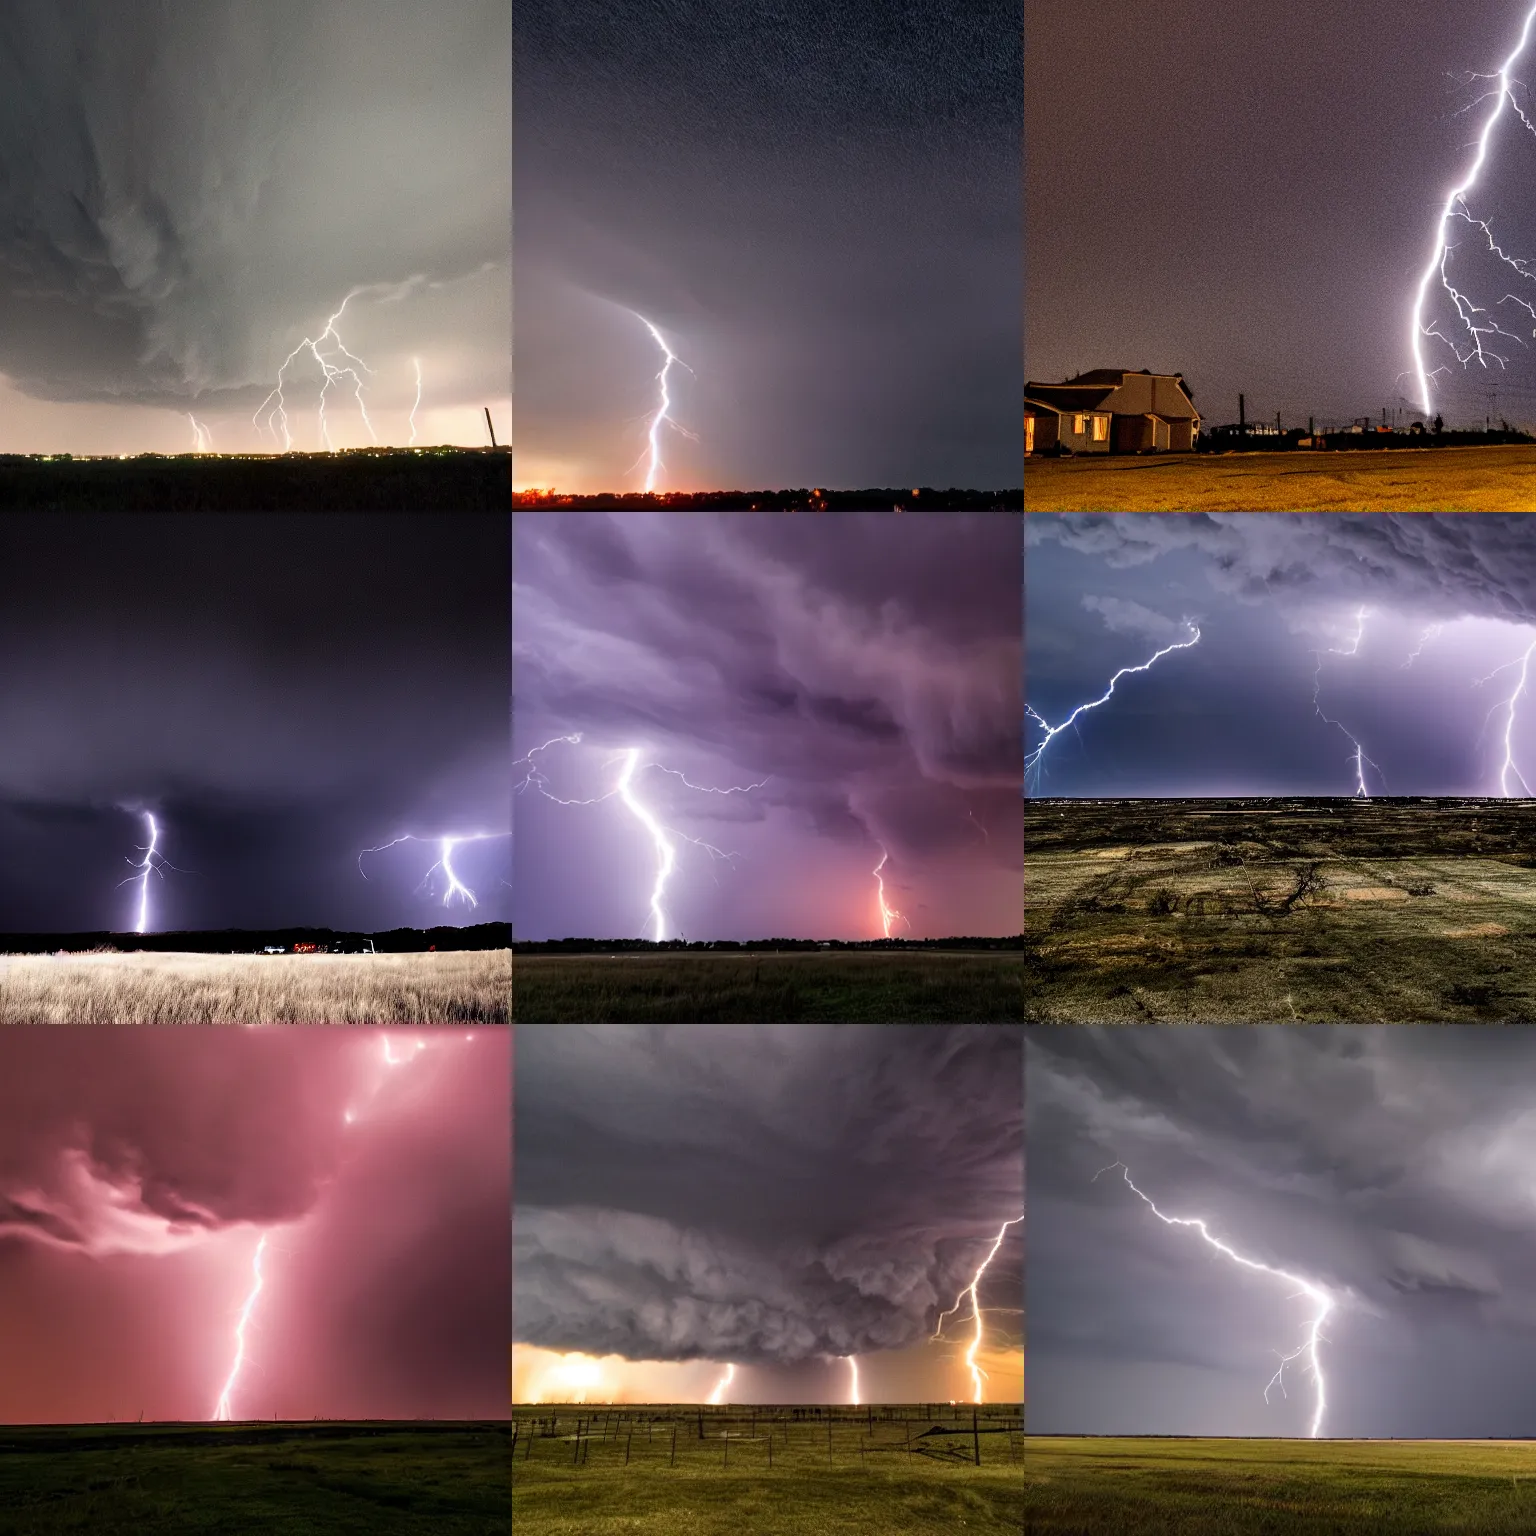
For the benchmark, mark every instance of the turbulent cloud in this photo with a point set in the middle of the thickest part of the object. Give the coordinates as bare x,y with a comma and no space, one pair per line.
764,1195
868,666
137,1167
186,190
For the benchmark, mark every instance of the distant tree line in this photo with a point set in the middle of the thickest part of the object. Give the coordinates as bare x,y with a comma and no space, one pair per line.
698,946
923,499
218,941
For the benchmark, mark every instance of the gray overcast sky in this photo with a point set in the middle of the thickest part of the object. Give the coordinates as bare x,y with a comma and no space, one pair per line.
1388,1164
1249,194
189,189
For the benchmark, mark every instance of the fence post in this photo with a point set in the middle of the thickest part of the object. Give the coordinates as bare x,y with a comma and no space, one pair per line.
976,1436
673,1462
829,1439
627,1439
725,1440
515,1428
576,1454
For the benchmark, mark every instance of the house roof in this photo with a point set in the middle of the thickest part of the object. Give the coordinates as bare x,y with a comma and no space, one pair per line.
1069,397
1118,376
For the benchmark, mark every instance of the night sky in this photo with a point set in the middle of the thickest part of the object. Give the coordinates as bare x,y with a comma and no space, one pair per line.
1450,614
1250,195
1387,1165
141,1167
863,669
820,208
772,1197
281,692
188,191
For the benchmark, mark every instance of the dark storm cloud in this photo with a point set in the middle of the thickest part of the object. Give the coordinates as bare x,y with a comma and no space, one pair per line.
1387,1164
187,189
866,665
761,1195
281,691
1441,565
1449,604
820,207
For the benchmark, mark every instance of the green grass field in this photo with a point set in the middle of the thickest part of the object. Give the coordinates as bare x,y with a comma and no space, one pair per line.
153,987
1343,911
1496,479
1138,1487
883,987
319,1479
891,1471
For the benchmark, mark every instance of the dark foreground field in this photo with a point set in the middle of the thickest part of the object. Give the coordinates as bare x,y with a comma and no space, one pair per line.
885,987
1256,911
891,1469
433,1478
1480,479
1135,1487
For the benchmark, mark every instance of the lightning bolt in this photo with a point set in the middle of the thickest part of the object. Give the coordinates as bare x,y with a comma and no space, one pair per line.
202,438
1359,758
853,1366
977,1373
1424,639
888,915
415,363
222,1410
1032,762
660,834
663,406
153,863
717,1396
1507,767
446,843
1319,1297
276,414
1455,207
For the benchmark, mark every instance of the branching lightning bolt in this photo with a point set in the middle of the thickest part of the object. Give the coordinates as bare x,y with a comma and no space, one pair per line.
1032,762
977,1374
446,843
1424,639
888,915
276,414
222,1411
152,863
1319,1297
1507,767
717,1396
1358,758
663,406
202,438
1455,207
660,834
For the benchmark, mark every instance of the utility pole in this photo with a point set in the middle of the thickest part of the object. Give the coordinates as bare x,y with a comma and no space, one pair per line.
1242,416
489,428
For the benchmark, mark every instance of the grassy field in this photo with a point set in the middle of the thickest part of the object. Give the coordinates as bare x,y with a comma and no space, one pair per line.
1497,479
461,986
1327,911
378,1479
891,1469
1135,1487
890,987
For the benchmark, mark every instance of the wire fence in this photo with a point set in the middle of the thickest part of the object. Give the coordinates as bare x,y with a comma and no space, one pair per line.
748,1439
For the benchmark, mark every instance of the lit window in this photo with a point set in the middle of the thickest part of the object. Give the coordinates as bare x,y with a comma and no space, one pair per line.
1079,425
1100,429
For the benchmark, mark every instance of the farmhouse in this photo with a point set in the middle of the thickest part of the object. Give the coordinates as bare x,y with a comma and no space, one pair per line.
1111,410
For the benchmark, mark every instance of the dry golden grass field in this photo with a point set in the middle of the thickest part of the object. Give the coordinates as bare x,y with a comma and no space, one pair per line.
1497,479
460,986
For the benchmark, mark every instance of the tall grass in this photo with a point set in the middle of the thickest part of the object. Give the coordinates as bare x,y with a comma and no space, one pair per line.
453,987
